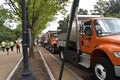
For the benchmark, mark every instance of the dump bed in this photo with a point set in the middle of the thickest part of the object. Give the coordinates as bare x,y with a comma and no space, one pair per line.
85,17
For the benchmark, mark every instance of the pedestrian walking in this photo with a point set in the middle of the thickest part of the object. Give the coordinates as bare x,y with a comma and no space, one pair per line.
3,44
18,46
11,45
7,47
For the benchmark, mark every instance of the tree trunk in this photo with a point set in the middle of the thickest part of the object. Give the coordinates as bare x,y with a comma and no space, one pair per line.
31,50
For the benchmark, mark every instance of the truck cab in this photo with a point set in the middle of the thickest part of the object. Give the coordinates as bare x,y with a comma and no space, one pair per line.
102,34
100,39
97,43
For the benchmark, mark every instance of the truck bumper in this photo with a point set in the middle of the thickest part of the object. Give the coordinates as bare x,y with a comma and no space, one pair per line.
117,70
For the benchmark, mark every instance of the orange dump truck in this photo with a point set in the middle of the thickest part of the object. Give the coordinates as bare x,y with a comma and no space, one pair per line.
49,40
53,39
94,43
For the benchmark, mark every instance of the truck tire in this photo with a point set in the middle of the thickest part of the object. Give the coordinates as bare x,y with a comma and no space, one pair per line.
46,46
61,54
102,69
52,50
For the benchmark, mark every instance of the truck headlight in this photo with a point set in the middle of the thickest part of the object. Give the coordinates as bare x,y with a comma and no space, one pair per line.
117,54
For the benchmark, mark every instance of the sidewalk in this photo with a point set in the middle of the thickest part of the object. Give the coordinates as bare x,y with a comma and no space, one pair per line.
8,62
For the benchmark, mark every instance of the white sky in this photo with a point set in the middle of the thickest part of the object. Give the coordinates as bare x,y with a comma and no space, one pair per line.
2,1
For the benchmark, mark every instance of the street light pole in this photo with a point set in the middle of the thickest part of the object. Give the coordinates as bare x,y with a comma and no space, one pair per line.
26,74
72,16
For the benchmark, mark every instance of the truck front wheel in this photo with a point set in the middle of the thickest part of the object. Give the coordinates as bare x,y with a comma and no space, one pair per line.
102,69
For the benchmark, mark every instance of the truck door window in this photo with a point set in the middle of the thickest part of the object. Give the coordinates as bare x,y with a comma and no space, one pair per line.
87,29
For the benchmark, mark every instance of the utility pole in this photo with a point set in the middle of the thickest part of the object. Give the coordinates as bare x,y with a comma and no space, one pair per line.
26,74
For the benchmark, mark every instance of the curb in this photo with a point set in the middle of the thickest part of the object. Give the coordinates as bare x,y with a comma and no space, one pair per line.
14,69
78,78
46,65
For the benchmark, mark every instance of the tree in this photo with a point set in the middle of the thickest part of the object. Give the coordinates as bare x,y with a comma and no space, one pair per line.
82,12
39,13
114,8
18,32
100,8
5,16
110,8
9,34
63,24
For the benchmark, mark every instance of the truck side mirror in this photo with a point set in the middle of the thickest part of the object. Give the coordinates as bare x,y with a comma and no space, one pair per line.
82,33
99,32
81,30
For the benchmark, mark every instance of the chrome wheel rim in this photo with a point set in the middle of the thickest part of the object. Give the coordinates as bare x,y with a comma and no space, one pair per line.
100,72
61,54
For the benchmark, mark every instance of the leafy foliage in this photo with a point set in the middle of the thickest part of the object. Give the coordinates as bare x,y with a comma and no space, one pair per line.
114,8
100,8
82,12
39,12
4,15
5,32
18,32
63,24
110,8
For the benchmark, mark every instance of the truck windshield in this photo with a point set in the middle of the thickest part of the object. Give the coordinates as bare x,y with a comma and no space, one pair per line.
107,27
54,35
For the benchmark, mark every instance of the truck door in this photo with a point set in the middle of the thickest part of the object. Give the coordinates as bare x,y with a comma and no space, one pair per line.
86,39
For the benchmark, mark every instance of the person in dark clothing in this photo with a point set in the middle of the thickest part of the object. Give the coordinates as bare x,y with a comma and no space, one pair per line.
11,45
7,47
18,46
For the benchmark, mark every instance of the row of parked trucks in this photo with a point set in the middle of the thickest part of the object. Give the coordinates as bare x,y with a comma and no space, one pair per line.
94,43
